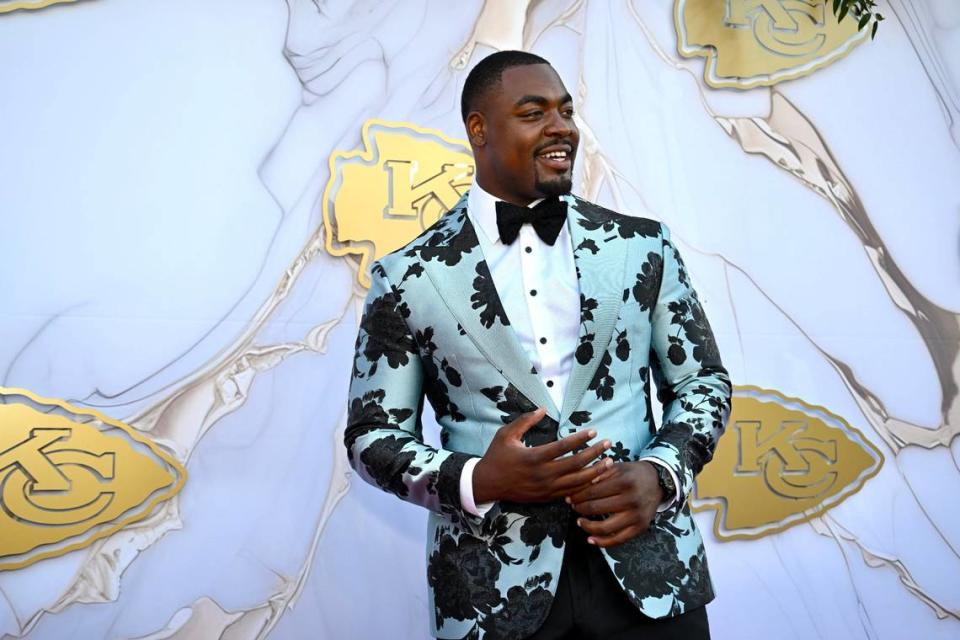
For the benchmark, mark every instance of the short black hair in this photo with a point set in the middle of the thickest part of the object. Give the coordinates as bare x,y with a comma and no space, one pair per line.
487,73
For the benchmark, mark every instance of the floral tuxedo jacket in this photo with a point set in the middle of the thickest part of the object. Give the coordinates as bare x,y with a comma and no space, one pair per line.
434,326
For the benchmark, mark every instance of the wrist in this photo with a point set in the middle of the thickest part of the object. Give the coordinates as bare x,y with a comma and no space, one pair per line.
484,489
665,483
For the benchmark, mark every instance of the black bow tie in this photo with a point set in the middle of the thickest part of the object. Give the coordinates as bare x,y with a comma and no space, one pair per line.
547,219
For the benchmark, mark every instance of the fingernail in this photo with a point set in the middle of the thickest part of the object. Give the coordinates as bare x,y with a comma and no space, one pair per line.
568,500
593,433
591,541
580,522
606,444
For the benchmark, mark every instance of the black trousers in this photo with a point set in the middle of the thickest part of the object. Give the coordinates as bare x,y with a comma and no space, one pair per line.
590,605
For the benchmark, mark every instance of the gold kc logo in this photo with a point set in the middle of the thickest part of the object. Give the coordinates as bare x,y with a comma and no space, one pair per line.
779,463
56,488
384,195
792,466
69,476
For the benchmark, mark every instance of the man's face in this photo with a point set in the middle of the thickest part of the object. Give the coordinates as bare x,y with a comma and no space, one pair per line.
529,137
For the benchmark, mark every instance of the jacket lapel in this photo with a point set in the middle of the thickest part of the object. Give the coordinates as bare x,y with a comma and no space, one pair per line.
600,258
453,261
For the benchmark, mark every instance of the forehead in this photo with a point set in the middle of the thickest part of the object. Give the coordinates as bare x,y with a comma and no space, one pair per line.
530,80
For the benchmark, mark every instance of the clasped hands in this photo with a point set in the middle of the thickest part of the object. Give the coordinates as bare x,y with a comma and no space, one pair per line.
627,493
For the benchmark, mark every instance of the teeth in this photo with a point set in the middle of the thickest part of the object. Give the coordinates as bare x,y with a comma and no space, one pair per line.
556,155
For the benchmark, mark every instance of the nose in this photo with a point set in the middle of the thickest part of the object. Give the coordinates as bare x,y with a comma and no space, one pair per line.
557,126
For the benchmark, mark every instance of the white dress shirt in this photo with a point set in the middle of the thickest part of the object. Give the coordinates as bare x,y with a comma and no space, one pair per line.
538,287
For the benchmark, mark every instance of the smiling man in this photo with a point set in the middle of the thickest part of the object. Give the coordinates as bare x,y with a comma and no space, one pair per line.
533,321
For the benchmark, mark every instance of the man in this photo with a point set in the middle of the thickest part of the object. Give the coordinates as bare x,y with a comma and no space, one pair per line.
531,320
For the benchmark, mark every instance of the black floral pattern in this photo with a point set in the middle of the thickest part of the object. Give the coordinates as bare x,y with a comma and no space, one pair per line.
463,574
523,611
623,346
386,334
485,297
698,331
649,565
579,418
448,249
698,587
512,404
587,244
647,288
597,217
544,521
435,387
603,382
618,453
682,277
386,462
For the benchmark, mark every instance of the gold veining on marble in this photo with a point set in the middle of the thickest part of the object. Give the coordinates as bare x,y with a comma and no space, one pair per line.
781,462
70,476
749,43
792,143
500,26
379,198
829,527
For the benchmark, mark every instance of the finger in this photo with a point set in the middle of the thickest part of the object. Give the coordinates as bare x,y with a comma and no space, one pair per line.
608,526
603,506
607,483
619,537
581,458
564,446
573,482
525,422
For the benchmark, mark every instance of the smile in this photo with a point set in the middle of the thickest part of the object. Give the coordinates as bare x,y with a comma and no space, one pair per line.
557,159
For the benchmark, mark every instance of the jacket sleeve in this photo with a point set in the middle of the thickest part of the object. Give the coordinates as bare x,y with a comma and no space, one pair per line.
383,435
692,384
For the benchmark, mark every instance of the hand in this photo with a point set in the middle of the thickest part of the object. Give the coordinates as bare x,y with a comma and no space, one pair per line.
628,492
510,470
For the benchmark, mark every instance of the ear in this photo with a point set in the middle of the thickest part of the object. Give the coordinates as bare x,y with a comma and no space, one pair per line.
476,126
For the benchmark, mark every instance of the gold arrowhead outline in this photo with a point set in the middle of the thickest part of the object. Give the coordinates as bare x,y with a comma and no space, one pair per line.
32,5
368,154
710,54
89,538
701,505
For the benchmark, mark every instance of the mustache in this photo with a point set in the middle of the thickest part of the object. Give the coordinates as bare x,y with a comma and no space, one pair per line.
553,143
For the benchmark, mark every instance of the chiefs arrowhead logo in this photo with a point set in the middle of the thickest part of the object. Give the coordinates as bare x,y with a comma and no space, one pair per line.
381,197
781,462
70,476
749,43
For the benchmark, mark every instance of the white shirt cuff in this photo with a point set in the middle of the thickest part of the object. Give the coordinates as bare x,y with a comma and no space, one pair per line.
466,491
668,502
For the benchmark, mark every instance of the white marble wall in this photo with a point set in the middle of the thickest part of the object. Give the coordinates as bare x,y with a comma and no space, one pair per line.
161,169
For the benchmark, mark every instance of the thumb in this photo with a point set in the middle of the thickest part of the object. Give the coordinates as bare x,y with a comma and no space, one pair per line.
526,421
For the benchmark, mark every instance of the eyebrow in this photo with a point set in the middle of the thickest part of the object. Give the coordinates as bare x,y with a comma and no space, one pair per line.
540,100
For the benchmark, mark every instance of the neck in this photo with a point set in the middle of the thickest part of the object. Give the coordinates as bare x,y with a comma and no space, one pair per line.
502,194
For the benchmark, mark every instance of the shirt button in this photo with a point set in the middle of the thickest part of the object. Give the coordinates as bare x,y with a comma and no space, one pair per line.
528,249
543,341
533,292
549,383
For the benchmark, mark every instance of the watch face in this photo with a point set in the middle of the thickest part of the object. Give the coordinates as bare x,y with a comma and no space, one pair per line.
666,482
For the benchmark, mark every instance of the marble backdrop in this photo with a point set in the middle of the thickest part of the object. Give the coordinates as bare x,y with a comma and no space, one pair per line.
162,171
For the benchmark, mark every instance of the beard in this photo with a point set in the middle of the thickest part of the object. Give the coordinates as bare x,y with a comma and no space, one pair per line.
557,186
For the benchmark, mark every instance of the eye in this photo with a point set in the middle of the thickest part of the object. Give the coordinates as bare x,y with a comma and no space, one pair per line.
568,112
531,115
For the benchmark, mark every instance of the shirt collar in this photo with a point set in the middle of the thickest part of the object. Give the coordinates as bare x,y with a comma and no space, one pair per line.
482,209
